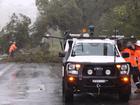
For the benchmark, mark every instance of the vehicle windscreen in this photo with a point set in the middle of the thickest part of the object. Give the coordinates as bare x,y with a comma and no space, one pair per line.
94,49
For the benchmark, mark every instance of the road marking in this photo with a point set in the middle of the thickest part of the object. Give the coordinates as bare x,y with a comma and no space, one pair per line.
5,69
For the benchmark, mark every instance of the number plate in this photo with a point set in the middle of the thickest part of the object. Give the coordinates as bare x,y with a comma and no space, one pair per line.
99,81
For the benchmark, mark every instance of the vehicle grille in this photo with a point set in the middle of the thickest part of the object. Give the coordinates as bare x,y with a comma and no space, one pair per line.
99,70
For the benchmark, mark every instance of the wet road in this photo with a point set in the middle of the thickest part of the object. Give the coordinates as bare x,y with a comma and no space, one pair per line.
40,84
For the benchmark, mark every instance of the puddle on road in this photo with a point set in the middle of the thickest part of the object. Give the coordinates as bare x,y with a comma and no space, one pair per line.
39,88
28,71
21,91
21,88
55,70
28,82
25,82
27,74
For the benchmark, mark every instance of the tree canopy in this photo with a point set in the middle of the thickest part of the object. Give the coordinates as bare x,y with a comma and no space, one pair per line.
124,17
17,30
106,15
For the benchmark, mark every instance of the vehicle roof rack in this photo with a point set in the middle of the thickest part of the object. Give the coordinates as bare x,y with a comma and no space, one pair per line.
88,36
68,35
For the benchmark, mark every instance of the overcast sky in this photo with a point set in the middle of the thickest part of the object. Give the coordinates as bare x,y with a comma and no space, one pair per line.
8,7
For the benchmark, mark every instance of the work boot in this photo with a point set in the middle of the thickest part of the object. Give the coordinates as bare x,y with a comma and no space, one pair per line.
137,91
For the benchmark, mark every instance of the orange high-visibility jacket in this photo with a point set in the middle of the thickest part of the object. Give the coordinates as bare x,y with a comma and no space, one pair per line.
12,48
132,58
137,55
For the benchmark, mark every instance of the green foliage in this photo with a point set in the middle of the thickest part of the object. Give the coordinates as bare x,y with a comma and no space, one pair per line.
61,14
125,17
3,45
17,29
120,11
72,14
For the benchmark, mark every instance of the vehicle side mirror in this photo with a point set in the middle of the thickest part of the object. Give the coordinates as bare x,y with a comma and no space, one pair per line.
125,55
62,54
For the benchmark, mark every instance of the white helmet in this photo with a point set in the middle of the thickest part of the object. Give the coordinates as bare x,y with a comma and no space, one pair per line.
137,43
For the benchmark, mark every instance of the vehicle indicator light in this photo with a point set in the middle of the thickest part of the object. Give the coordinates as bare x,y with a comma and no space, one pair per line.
78,66
118,66
84,30
125,79
71,79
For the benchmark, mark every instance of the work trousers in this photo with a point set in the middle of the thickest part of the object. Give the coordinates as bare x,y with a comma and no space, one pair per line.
136,76
11,54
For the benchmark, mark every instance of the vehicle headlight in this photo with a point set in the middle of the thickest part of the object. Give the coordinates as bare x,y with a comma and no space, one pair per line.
71,66
124,67
74,66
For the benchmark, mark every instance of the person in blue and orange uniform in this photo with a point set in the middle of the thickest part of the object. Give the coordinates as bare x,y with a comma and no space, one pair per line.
134,65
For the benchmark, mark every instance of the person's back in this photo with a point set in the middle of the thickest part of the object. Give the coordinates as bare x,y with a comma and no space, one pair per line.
12,49
134,64
131,57
127,50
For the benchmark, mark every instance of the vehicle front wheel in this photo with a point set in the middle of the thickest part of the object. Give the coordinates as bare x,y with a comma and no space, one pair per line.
124,97
67,93
124,93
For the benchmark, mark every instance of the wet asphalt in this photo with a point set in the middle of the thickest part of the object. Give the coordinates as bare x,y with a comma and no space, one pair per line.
40,84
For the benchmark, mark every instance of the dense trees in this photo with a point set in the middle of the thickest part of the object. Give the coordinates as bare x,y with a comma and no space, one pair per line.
106,15
124,17
73,15
17,30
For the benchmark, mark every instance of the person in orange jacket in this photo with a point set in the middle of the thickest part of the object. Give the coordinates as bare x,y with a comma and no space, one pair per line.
137,55
134,65
12,49
130,50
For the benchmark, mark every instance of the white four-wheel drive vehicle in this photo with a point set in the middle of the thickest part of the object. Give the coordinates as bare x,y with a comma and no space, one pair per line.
94,65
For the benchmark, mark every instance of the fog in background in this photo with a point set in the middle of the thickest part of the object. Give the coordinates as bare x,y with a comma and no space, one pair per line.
8,7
